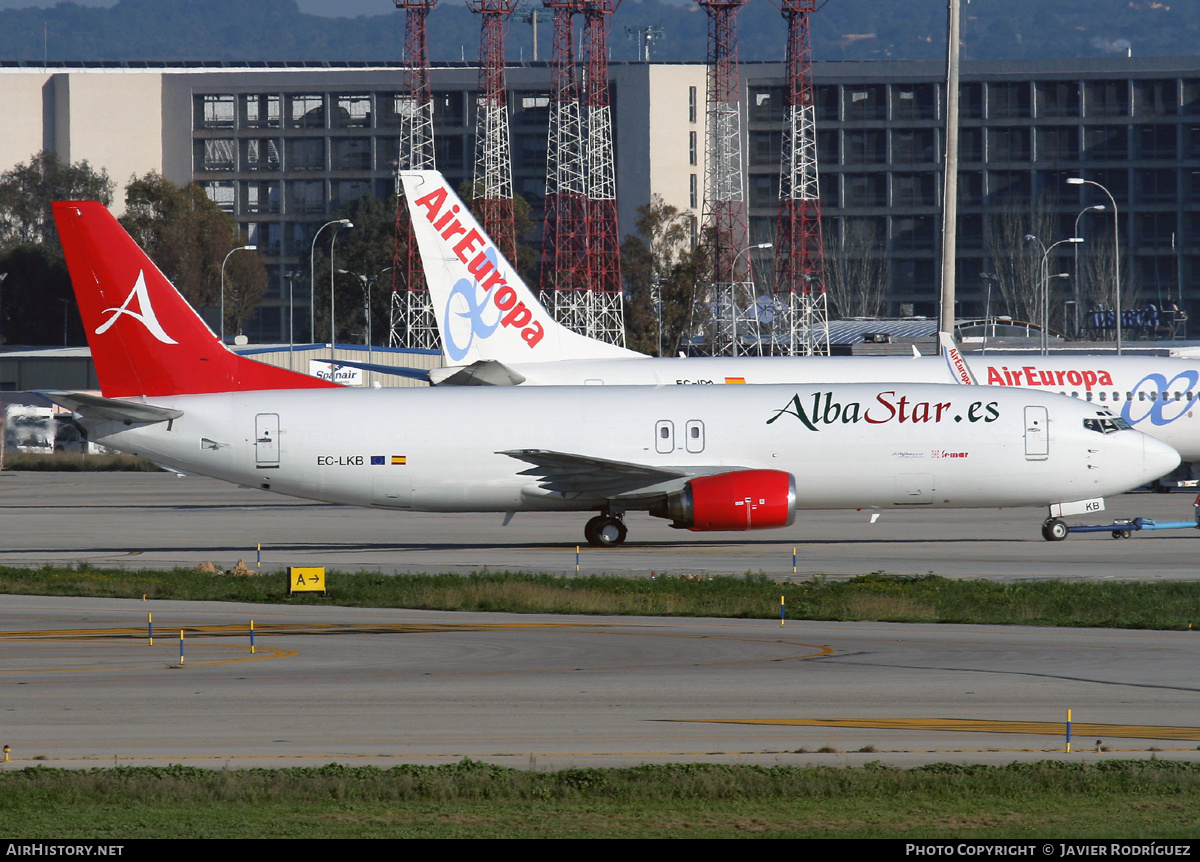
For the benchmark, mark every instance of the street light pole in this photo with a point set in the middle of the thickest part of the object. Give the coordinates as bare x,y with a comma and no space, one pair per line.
1045,278
1080,181
312,276
231,251
1078,281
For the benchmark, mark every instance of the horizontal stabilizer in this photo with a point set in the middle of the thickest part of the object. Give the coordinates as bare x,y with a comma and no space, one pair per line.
111,409
485,372
398,370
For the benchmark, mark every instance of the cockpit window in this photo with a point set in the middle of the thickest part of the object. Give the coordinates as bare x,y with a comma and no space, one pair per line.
1106,425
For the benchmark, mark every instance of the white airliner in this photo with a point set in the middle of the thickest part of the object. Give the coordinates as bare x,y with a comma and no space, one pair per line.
494,331
730,458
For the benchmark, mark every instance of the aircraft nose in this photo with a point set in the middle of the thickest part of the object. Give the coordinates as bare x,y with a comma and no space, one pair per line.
1158,459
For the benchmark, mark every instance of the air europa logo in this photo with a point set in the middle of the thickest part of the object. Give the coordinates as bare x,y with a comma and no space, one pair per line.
824,410
482,263
1032,376
145,312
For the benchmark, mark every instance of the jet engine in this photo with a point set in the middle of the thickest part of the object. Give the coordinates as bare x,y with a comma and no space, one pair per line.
740,500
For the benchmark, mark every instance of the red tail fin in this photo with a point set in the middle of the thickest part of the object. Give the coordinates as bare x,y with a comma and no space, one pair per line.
145,338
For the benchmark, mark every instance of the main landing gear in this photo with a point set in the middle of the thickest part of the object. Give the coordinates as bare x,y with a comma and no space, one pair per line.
605,531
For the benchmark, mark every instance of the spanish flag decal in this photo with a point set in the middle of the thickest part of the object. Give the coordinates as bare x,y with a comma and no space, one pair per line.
735,379
399,459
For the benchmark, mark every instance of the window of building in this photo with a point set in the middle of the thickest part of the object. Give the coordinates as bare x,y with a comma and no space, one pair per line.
1155,230
351,154
1105,143
1156,185
766,148
306,197
1106,98
1008,144
1155,98
306,111
1190,103
260,154
1057,98
691,104
864,146
914,190
260,197
1155,142
914,146
352,111
866,190
1008,100
766,105
214,112
764,190
693,192
1002,185
260,111
693,156
223,194
864,102
1057,143
827,101
970,101
306,154
216,154
914,102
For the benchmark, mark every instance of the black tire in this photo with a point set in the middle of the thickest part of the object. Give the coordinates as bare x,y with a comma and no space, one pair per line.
1117,534
605,531
1054,530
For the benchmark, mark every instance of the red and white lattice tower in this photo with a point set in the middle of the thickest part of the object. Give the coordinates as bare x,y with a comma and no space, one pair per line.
412,318
564,265
799,255
493,188
606,318
731,297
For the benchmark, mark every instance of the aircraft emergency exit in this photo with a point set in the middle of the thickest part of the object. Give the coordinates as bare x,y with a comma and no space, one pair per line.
728,458
494,331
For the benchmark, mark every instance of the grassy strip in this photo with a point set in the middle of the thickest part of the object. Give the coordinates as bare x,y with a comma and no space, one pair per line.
74,462
878,596
1124,799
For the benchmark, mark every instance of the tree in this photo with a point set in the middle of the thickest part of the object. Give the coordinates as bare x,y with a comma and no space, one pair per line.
856,268
363,251
37,293
661,272
28,190
188,236
1016,261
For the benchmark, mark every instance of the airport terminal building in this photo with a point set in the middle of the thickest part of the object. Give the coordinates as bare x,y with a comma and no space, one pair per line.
283,147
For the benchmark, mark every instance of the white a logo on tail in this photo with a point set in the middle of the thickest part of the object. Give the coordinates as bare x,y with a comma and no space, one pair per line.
145,312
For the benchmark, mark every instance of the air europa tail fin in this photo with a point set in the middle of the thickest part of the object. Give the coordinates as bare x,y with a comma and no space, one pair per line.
484,311
145,338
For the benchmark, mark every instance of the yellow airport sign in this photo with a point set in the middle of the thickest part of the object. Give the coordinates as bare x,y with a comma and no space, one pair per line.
306,579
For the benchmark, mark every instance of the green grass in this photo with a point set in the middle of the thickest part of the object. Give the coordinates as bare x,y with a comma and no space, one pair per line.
878,596
1126,799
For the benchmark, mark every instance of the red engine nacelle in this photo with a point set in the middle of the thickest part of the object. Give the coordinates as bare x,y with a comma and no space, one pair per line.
741,500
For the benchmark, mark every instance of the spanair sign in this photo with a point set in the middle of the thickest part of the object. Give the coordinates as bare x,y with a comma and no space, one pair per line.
144,313
470,315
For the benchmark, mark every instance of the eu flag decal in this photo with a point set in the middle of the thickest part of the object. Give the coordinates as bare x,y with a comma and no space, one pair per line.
377,460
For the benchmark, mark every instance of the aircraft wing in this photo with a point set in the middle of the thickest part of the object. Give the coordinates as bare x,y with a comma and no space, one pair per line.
485,372
111,409
565,473
398,370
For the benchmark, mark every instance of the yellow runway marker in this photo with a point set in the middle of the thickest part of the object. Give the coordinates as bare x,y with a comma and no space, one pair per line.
969,725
